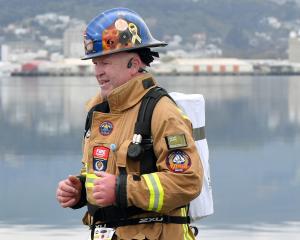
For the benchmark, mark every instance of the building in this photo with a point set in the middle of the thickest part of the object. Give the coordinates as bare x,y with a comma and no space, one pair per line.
203,66
20,51
73,41
294,47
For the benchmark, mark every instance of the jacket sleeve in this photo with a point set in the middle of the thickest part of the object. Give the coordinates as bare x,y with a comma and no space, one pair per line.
178,179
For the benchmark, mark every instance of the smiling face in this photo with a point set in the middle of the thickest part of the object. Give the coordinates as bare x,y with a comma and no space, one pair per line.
111,70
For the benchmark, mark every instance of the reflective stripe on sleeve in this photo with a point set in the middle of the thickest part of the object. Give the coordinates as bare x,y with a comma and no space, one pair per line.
199,133
156,192
89,182
186,232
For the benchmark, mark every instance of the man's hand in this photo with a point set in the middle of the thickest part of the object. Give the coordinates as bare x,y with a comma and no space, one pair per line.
69,191
105,189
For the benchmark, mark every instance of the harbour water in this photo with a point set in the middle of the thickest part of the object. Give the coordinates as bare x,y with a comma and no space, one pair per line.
253,131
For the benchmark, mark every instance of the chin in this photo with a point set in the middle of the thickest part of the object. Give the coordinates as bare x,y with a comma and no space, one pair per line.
104,94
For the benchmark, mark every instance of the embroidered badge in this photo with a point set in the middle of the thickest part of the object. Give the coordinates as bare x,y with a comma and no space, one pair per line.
176,141
106,128
178,161
100,157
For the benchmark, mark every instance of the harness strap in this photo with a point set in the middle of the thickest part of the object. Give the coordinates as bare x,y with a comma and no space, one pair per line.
112,212
143,220
143,127
143,123
198,133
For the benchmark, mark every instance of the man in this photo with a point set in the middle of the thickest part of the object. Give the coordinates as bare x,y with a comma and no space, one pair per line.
125,198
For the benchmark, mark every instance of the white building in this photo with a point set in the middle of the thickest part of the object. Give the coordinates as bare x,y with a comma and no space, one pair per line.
195,66
294,47
4,53
22,51
73,41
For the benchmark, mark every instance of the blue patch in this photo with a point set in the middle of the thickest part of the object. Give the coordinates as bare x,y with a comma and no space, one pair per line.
106,128
99,164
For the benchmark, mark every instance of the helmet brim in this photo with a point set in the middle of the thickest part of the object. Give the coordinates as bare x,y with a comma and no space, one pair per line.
151,45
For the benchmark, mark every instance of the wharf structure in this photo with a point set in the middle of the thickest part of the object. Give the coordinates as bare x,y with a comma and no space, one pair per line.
176,66
203,66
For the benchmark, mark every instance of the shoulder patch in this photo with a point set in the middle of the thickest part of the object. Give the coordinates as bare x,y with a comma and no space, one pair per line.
178,161
176,141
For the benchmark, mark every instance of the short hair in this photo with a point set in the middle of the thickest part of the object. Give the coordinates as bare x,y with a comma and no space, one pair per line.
146,55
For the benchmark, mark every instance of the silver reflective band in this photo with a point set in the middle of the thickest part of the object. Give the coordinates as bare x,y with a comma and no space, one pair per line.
198,133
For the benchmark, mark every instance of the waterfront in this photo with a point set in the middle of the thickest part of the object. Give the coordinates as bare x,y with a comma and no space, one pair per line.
253,131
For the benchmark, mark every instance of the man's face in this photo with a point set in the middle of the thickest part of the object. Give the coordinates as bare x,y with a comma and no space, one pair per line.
111,71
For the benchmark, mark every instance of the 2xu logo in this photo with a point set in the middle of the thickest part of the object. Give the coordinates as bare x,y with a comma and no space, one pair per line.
149,220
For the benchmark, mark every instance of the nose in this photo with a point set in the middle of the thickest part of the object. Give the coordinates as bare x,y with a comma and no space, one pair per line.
99,70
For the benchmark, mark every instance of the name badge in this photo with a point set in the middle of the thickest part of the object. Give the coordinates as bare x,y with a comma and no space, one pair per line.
103,233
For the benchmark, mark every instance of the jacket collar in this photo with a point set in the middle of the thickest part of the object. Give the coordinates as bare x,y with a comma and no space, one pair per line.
129,94
126,95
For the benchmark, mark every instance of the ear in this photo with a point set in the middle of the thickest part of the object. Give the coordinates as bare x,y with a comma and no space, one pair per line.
136,65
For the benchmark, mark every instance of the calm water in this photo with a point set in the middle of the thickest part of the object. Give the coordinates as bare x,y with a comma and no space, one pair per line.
253,131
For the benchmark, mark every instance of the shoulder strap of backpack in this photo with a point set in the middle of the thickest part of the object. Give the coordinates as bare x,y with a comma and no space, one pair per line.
143,127
149,101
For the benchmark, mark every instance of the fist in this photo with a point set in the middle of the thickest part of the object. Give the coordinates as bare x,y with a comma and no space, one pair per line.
68,191
104,191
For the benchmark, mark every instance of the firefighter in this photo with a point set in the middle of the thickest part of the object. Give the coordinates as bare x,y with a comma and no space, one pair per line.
134,187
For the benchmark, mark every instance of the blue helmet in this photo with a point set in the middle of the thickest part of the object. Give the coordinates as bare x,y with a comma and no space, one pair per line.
117,30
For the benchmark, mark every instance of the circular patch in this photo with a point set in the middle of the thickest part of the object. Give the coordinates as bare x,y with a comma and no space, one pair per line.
125,37
121,24
178,161
106,128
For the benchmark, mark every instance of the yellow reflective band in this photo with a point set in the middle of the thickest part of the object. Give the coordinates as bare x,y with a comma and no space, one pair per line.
91,175
89,185
151,190
89,181
183,114
161,192
83,170
186,233
156,191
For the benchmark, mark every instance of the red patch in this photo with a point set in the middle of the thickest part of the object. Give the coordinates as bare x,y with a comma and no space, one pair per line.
101,152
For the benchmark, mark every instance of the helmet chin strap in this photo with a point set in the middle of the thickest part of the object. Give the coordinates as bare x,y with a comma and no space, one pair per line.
141,70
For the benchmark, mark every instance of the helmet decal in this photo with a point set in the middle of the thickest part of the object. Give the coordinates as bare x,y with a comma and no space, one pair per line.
88,44
121,34
121,24
110,38
134,31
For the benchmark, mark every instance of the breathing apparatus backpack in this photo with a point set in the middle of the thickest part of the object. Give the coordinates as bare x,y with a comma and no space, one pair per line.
193,105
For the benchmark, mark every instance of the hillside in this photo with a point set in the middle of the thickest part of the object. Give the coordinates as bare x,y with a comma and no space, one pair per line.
245,28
